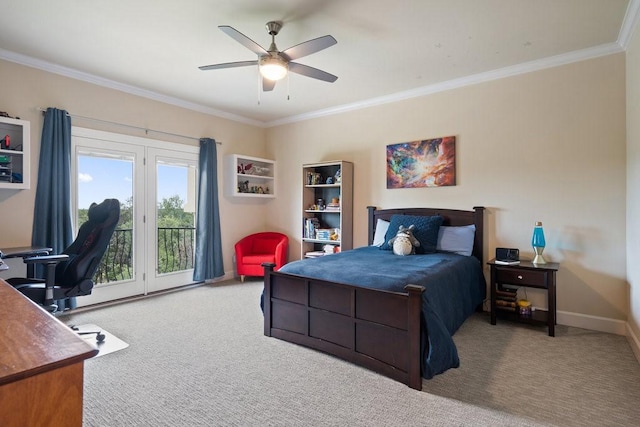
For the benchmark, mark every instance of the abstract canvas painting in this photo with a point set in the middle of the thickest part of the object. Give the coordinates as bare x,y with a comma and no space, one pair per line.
426,163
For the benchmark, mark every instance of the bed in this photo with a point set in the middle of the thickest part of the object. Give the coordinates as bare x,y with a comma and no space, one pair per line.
391,314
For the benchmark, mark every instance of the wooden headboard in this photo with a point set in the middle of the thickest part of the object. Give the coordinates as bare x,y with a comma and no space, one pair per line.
452,217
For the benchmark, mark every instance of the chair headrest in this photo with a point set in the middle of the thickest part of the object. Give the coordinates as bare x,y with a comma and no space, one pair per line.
100,212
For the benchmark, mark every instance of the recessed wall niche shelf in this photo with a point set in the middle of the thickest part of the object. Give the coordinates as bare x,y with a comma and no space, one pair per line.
250,177
14,158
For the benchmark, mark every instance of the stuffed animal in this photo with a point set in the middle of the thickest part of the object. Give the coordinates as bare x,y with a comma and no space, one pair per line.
404,242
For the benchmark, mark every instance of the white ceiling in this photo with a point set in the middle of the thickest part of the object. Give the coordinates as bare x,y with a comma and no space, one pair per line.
387,50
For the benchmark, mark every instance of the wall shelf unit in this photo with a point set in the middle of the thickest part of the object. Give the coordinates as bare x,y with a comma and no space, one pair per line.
250,177
15,159
327,208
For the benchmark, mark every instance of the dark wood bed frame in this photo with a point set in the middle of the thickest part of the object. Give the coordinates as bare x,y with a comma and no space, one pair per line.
376,329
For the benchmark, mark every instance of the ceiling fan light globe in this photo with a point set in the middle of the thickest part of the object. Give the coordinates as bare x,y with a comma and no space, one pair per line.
273,68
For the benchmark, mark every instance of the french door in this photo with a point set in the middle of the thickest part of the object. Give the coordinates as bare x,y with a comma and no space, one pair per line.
155,182
171,220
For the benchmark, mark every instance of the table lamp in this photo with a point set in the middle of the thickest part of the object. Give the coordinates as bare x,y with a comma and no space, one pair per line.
538,243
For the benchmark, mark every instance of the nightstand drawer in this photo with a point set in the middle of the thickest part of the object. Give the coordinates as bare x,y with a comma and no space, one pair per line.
522,277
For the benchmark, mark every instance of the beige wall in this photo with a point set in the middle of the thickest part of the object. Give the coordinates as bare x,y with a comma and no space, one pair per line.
633,185
24,89
546,146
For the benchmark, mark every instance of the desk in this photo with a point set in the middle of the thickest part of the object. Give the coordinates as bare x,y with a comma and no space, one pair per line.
41,365
23,252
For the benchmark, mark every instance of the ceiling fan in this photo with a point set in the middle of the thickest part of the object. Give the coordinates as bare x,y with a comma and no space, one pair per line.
274,64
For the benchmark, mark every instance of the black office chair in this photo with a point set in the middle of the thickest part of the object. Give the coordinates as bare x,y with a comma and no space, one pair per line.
70,274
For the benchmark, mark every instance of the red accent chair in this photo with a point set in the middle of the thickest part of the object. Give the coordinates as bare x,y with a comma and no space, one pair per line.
253,250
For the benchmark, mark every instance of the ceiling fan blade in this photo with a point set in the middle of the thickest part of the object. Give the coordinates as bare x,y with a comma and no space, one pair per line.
268,85
314,73
228,65
308,47
243,40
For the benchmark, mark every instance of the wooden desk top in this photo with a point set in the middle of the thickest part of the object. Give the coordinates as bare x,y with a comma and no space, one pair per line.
32,341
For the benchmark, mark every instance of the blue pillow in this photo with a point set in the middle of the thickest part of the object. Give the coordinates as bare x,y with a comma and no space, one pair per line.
458,240
426,231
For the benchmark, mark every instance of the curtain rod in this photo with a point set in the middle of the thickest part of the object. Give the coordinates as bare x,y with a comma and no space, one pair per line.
146,130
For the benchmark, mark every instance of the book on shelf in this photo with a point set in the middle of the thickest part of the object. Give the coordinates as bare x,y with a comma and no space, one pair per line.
505,308
507,289
314,254
508,299
506,295
501,303
314,178
311,225
324,233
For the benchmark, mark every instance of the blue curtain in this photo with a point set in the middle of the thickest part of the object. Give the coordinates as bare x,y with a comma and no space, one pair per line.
208,256
52,210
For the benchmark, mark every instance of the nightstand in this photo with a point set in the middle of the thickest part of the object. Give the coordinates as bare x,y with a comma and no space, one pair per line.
526,274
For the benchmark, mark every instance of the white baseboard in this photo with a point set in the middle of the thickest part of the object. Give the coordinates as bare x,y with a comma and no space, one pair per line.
594,323
227,276
634,342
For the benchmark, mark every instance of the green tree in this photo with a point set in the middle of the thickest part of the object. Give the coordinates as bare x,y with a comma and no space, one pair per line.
175,235
171,213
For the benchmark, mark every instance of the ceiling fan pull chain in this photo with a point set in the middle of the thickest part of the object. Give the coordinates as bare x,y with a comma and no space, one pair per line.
288,92
259,83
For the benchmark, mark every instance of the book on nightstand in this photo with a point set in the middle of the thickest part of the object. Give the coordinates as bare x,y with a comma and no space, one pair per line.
506,262
510,304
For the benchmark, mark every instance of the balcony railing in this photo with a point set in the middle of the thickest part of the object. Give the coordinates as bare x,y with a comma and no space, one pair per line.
175,249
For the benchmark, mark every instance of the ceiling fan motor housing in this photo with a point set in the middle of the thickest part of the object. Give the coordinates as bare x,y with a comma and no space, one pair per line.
273,27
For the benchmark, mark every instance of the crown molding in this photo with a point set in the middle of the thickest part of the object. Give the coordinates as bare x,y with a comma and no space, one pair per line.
629,24
631,17
527,67
112,84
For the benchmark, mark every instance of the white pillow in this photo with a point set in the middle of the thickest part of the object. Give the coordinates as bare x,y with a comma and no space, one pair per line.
458,240
381,230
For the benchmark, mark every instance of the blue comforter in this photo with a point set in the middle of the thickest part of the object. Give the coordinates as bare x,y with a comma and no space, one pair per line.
454,287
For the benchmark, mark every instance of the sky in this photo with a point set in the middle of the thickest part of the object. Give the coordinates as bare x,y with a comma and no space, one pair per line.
104,178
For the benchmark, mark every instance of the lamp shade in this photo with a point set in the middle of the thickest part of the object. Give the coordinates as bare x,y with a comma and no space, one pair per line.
273,68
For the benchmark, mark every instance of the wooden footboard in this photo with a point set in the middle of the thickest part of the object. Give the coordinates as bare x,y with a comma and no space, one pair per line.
376,329
379,330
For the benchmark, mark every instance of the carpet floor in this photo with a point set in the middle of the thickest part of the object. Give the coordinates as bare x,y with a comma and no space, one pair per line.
198,357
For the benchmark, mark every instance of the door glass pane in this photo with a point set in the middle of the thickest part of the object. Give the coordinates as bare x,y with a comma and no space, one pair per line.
103,177
175,217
